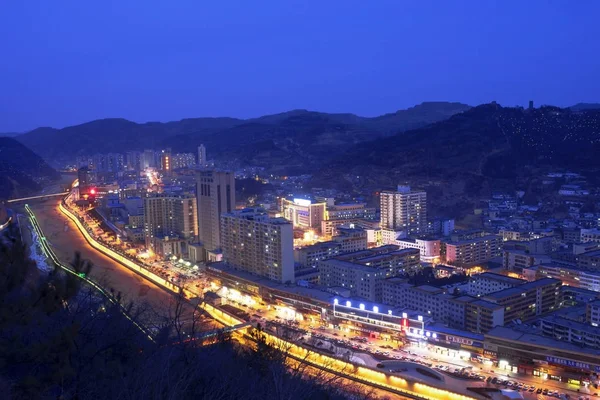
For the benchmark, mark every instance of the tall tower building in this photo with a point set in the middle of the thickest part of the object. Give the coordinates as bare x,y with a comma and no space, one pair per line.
166,160
215,191
202,156
255,243
404,210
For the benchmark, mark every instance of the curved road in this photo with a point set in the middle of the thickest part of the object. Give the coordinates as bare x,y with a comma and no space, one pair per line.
65,240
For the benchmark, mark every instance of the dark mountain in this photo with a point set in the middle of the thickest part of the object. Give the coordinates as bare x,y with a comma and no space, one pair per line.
462,157
21,170
585,106
415,117
297,136
114,135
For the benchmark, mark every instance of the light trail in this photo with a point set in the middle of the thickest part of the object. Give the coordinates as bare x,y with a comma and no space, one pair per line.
37,197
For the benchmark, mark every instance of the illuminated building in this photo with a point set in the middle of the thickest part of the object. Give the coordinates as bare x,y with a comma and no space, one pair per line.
303,213
531,354
255,243
429,248
473,251
202,161
488,282
363,274
147,159
568,275
350,239
170,215
183,160
404,211
350,211
215,191
166,161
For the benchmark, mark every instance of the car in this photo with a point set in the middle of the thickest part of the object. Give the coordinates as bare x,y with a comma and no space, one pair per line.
509,383
532,389
539,391
545,392
488,379
495,380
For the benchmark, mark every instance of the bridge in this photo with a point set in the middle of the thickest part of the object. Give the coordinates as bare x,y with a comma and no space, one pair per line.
43,196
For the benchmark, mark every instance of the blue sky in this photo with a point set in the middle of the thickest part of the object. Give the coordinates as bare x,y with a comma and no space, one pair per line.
66,62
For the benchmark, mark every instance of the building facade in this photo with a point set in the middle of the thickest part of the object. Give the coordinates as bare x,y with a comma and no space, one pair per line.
215,191
404,210
255,243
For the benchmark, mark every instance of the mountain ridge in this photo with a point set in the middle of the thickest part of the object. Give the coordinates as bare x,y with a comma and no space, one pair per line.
117,134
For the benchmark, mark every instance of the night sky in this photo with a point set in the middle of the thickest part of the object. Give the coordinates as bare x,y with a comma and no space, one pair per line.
67,62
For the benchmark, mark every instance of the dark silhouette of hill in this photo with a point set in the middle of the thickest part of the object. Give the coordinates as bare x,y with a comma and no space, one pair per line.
470,151
21,170
283,135
585,106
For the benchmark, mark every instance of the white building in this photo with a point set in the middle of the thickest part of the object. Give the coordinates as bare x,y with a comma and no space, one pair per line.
488,282
170,215
255,243
404,210
304,213
202,162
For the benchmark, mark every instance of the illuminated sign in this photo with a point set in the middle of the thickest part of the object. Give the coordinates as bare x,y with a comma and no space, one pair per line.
302,202
571,363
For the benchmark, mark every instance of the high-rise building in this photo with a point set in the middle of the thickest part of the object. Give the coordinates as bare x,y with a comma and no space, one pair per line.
404,210
215,191
148,159
170,215
202,156
84,179
133,160
255,243
166,160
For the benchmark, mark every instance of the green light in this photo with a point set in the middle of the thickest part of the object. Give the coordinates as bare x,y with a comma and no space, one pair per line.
81,275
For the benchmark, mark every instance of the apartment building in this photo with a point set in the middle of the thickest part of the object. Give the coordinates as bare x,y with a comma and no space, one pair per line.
257,244
170,215
488,282
527,300
363,272
518,260
309,256
404,210
589,261
473,251
351,239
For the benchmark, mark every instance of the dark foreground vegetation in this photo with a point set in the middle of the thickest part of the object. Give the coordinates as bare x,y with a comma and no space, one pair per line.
59,339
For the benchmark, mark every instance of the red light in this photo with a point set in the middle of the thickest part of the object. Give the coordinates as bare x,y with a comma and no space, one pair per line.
92,191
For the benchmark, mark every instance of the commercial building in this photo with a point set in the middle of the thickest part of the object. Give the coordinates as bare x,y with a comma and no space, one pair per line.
362,272
488,282
255,243
404,210
303,213
170,215
516,351
473,251
215,191
430,248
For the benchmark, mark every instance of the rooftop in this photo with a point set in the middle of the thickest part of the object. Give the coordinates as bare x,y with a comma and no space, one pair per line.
499,278
502,294
475,240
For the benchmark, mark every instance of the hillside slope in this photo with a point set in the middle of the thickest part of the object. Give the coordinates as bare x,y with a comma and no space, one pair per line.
21,170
